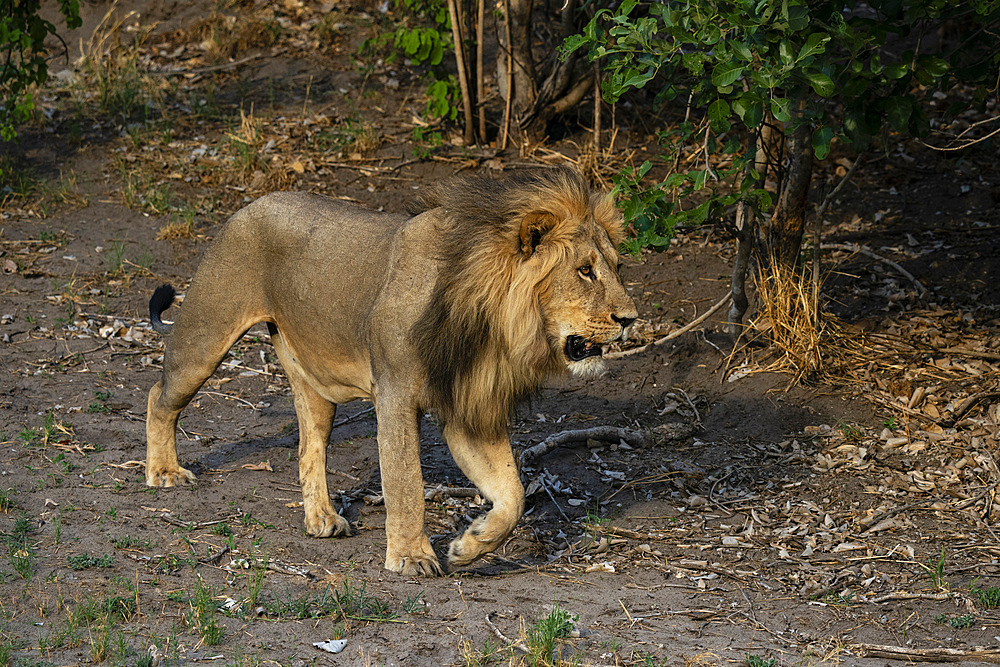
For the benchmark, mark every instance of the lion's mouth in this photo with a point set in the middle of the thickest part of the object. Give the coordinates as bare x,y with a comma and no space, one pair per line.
579,348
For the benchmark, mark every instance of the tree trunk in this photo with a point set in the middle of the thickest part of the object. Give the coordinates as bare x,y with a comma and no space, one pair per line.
746,234
783,232
522,85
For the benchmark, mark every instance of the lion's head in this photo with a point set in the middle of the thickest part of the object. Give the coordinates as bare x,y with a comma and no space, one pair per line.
528,286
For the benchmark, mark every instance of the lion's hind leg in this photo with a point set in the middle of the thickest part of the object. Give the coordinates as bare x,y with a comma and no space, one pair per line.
489,464
162,467
205,330
315,415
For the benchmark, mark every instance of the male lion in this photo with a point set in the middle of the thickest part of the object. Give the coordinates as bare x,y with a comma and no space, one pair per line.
463,309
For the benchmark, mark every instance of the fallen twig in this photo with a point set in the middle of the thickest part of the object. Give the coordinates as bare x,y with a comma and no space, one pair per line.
501,637
968,403
439,492
353,417
188,525
926,654
214,558
564,438
867,252
906,595
673,334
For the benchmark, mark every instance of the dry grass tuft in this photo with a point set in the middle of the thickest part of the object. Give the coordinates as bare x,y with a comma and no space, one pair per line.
178,229
111,74
805,340
251,169
223,37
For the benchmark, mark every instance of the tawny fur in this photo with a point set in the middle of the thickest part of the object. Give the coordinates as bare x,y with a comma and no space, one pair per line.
462,309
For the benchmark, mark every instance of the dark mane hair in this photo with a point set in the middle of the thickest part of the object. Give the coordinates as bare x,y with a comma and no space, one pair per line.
482,338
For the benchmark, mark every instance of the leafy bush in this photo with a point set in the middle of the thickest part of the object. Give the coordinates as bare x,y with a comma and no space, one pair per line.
424,38
740,65
22,49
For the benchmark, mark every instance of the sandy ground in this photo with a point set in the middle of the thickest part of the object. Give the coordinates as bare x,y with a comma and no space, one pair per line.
805,526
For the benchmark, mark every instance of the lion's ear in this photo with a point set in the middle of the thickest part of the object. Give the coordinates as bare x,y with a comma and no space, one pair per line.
534,227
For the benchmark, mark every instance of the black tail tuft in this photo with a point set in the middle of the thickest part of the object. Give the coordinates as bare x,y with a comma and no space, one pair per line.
160,301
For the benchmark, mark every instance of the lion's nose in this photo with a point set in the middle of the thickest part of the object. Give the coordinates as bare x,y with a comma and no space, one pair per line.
624,321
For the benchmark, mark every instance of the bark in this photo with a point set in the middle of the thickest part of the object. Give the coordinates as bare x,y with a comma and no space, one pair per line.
480,84
521,86
784,231
463,78
746,233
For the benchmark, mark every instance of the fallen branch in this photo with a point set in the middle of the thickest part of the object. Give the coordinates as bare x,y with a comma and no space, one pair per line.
906,595
673,334
970,402
926,654
188,525
364,412
440,492
862,250
501,637
563,438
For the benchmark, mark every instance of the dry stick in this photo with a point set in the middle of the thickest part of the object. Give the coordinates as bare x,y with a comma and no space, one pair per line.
480,86
501,637
597,109
983,653
463,79
817,227
970,402
975,354
867,252
510,74
673,334
905,595
605,433
353,417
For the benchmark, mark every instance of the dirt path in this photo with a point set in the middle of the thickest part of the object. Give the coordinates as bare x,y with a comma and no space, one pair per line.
804,527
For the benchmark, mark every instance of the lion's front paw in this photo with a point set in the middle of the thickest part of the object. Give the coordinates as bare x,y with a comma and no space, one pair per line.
325,525
484,535
417,562
170,477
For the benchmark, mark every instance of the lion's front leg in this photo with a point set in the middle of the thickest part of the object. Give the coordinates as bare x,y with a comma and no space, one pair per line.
489,464
408,551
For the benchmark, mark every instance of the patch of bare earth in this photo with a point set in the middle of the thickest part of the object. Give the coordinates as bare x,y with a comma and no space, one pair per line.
849,520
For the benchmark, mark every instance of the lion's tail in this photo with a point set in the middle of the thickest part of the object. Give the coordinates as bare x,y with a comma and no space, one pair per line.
159,302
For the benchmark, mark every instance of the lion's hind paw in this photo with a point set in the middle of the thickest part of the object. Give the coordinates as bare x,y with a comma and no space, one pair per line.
175,477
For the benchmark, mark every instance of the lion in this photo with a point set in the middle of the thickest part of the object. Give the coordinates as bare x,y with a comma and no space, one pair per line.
463,310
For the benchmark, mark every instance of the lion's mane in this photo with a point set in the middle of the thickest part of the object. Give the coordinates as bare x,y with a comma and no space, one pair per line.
482,337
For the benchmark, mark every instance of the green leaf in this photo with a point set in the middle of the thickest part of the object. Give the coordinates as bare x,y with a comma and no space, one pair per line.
898,110
726,74
897,71
936,67
639,79
781,109
821,83
437,53
626,7
785,51
718,116
749,109
815,43
821,140
742,50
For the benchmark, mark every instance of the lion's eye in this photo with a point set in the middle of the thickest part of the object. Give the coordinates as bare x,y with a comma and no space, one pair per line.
586,271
